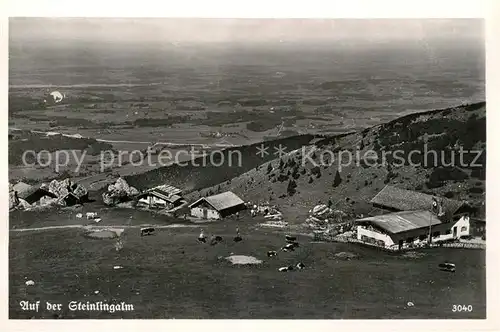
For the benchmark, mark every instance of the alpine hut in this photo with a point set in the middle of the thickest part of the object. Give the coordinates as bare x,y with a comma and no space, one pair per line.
217,206
161,197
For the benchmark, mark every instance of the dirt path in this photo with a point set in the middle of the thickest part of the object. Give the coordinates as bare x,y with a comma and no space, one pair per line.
46,228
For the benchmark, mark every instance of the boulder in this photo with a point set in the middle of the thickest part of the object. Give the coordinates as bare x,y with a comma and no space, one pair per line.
12,200
23,204
119,192
133,191
59,188
80,191
319,209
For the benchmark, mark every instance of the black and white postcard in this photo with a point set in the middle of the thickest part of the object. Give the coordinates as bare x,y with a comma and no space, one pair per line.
247,168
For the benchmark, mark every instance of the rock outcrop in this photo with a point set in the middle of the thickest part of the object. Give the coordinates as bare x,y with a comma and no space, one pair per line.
65,187
322,215
119,192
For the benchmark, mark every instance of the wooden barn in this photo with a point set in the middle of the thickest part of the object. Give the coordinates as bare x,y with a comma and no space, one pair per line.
161,197
217,206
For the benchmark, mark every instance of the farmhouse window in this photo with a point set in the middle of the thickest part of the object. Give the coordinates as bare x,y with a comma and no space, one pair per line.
464,229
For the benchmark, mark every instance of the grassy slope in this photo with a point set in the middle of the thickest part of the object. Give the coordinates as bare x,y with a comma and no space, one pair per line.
170,275
360,184
192,177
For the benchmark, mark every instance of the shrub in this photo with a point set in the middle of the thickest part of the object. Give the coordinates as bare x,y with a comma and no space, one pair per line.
434,184
476,190
282,177
316,171
338,180
291,188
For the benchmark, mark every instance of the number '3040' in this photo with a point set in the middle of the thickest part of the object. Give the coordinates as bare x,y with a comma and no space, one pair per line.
461,308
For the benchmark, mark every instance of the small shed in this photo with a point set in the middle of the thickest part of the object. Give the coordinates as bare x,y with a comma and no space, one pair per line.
217,206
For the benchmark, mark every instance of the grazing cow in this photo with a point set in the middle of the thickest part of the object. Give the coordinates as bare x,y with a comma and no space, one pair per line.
271,253
290,238
300,266
147,231
201,237
91,215
215,239
288,247
283,269
237,238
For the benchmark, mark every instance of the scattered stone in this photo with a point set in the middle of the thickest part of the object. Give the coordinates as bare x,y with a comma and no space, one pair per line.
30,283
96,292
410,304
346,255
413,254
117,267
243,260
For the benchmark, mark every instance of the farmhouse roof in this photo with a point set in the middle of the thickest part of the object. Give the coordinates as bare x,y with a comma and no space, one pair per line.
399,222
166,190
221,201
163,195
409,200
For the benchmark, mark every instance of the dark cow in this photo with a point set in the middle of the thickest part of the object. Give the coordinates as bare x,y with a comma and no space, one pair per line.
271,253
147,231
300,266
215,239
290,238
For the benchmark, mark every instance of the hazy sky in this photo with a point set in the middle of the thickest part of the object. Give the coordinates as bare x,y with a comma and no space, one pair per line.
241,30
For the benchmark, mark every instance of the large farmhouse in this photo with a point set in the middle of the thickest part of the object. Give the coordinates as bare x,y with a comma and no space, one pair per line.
161,197
217,206
410,219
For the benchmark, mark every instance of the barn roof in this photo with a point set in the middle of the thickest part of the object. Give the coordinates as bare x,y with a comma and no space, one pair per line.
399,222
409,200
221,201
25,190
22,188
